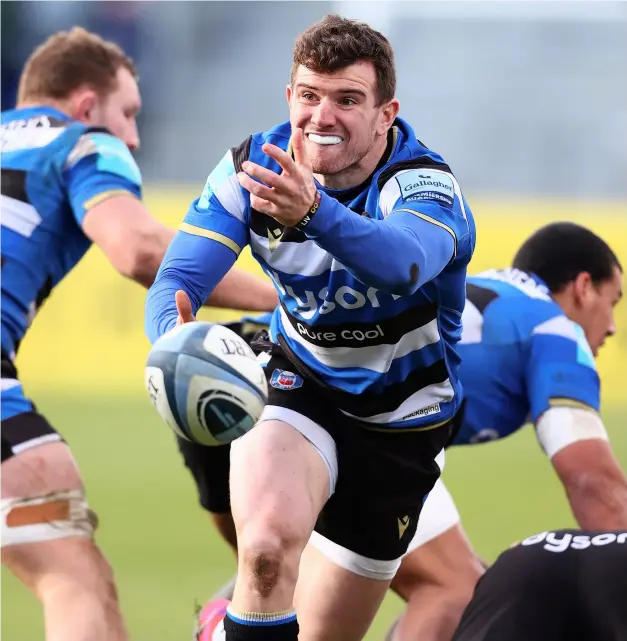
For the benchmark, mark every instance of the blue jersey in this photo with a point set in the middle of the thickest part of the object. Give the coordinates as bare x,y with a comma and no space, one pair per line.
53,171
387,350
520,356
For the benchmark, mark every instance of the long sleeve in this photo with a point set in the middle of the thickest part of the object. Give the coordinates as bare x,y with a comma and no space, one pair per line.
192,263
397,255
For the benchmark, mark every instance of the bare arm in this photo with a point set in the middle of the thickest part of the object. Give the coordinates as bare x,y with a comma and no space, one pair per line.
135,244
583,459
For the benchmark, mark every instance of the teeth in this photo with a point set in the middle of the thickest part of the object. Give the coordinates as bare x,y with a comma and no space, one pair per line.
324,140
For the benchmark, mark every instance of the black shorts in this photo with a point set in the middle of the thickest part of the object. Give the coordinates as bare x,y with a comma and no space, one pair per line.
547,590
209,467
22,426
383,478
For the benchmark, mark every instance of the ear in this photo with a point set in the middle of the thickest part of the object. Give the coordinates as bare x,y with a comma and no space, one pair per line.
583,288
288,94
388,114
83,103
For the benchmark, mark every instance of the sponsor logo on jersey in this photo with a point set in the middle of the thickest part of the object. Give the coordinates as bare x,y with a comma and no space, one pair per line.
283,379
326,337
326,301
425,411
420,184
560,542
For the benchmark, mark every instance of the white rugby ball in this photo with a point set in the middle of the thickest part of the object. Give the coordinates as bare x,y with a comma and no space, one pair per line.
206,383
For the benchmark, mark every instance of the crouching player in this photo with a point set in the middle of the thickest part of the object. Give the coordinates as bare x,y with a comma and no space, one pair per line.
530,335
566,585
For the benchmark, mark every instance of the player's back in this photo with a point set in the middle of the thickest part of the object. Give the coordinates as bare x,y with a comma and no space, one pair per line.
565,585
52,172
516,346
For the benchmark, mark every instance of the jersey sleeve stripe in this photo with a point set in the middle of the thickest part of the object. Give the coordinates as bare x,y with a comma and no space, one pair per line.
105,195
212,235
570,402
429,219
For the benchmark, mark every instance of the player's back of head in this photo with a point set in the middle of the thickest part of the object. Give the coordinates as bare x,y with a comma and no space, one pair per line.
335,43
559,252
68,60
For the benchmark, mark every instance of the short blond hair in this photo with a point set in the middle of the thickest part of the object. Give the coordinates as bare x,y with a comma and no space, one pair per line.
71,59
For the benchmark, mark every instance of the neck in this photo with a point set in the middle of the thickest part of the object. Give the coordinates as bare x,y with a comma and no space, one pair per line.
567,304
356,173
59,105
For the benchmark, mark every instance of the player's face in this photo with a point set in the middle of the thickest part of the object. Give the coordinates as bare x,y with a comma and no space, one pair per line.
598,310
345,130
118,110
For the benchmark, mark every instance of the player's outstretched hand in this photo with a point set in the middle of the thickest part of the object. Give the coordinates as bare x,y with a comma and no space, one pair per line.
288,196
184,308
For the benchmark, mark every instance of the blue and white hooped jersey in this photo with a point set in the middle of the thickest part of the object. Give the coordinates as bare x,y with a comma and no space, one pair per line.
520,356
53,171
390,359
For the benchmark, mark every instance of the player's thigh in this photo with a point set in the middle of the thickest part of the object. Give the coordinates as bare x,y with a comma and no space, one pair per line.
440,553
382,483
366,526
334,604
279,483
35,461
47,526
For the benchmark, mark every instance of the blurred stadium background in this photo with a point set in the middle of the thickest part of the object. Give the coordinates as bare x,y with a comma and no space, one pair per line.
527,102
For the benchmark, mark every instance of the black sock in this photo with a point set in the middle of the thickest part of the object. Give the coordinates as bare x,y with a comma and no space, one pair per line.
253,626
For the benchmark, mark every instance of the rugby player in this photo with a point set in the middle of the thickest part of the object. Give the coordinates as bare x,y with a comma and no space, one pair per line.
69,179
564,585
530,335
367,237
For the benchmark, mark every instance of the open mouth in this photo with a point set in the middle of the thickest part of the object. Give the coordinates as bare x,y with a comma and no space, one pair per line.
323,139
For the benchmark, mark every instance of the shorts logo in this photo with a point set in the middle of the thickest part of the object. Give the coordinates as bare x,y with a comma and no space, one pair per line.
282,379
403,524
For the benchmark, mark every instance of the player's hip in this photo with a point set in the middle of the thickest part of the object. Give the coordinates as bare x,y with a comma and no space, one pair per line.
423,398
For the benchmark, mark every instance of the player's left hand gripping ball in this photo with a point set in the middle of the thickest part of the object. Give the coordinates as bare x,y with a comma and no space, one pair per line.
206,383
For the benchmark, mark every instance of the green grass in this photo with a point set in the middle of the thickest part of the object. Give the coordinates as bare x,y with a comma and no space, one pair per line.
166,554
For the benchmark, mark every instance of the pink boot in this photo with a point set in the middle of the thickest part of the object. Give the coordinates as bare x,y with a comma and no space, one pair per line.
210,626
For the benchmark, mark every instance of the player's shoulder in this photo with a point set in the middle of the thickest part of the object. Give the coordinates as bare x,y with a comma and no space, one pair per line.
523,300
408,155
278,135
250,147
111,155
25,132
417,178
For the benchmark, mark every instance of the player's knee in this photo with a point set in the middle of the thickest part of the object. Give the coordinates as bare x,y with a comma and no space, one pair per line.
62,569
270,554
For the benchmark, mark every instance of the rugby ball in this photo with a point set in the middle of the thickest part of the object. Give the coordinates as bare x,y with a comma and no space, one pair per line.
206,383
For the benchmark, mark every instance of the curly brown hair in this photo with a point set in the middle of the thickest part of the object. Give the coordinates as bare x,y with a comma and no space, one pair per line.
335,43
71,59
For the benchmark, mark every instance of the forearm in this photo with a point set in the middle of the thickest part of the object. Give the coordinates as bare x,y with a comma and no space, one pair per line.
238,289
599,504
193,264
242,290
389,254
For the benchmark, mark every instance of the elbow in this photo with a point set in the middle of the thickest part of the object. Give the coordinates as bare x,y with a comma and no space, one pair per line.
139,260
403,278
599,500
